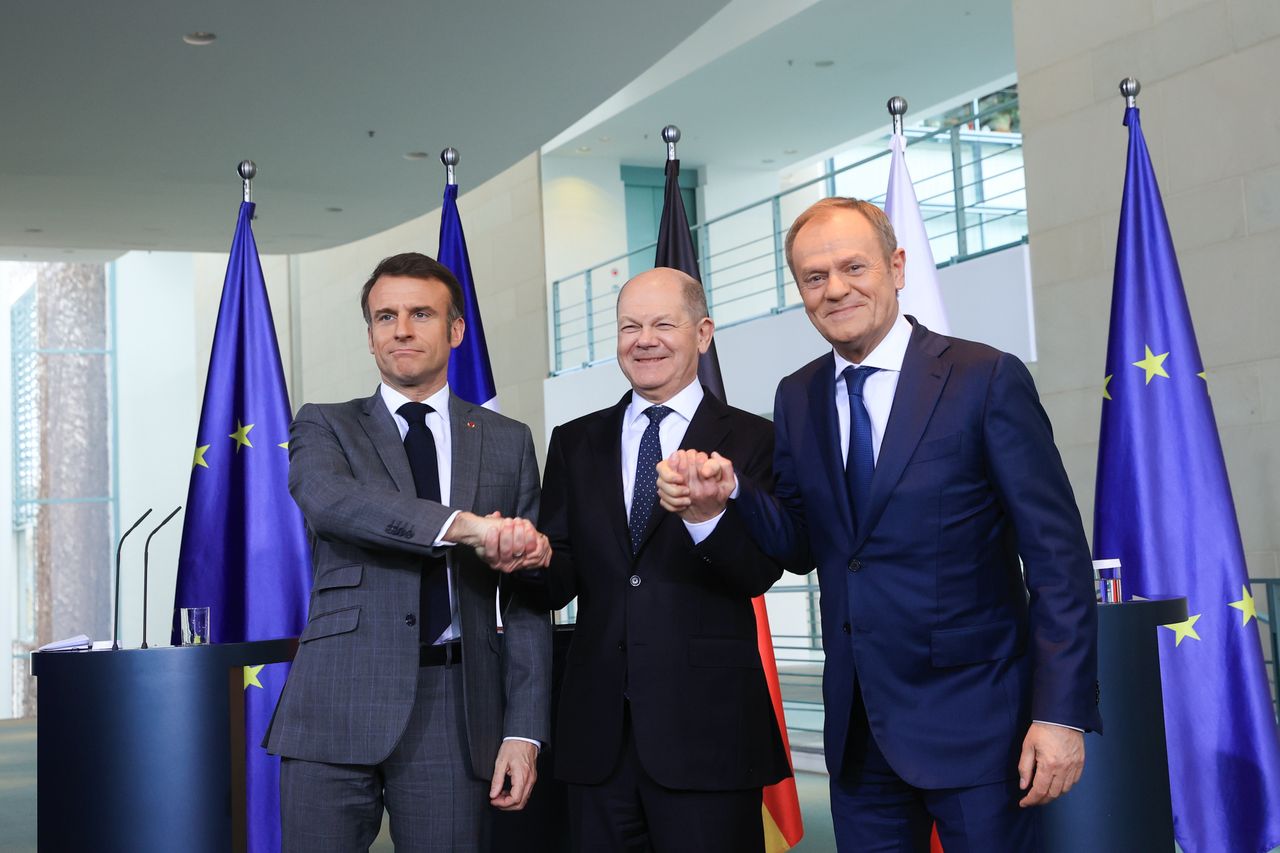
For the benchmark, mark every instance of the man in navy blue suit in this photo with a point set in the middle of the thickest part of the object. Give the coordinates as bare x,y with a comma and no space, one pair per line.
918,473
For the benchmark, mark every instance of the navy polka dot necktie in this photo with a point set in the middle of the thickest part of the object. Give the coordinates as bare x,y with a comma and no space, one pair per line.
644,493
860,462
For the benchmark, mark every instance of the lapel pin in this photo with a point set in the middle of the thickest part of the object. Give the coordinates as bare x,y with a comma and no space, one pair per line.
471,424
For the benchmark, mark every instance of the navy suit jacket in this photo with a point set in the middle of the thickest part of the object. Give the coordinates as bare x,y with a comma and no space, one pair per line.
925,605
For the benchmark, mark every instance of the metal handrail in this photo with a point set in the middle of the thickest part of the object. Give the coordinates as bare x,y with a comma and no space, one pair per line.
570,351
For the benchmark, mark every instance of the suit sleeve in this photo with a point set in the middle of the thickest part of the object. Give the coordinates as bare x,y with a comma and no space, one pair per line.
1032,484
556,585
776,519
339,507
730,551
526,661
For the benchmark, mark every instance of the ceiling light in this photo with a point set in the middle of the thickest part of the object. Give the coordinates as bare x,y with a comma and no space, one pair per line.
604,139
199,38
334,209
33,230
791,151
416,155
767,160
584,149
824,63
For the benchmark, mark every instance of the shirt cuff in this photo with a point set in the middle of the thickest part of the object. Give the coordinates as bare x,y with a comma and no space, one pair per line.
538,744
700,530
1059,725
441,542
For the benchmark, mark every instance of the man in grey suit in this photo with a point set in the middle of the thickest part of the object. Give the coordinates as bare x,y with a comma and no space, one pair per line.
405,692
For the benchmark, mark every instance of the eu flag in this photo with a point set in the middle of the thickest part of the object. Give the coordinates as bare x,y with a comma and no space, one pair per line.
244,548
470,374
1164,508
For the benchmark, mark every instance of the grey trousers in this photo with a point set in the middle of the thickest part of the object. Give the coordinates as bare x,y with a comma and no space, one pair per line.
435,803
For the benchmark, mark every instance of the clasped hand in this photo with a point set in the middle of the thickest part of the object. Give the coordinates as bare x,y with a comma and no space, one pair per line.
694,485
506,544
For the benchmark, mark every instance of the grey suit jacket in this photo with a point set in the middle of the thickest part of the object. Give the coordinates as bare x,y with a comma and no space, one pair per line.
352,685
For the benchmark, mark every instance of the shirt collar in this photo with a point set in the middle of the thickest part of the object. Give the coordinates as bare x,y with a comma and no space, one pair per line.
393,399
684,403
888,354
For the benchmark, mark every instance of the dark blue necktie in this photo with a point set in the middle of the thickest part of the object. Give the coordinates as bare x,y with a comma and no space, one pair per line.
860,462
420,446
644,493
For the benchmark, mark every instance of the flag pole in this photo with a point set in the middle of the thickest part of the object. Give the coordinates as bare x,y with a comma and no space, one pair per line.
897,108
247,170
1130,87
450,158
671,135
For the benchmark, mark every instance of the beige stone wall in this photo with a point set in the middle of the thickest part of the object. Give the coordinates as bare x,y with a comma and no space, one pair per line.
502,219
1211,116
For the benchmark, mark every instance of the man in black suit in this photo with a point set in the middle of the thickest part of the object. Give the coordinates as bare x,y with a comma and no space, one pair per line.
666,732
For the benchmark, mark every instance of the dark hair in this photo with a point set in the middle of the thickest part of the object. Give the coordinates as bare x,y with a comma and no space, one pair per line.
873,214
413,265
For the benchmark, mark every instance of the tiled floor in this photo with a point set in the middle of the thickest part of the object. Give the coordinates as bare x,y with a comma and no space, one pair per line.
18,797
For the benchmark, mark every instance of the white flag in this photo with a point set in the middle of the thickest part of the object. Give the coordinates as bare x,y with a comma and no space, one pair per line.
921,297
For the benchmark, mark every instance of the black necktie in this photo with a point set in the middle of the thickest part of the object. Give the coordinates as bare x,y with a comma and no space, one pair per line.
644,493
420,447
860,462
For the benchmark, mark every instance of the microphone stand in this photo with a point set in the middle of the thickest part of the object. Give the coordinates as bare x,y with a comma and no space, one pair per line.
146,551
115,634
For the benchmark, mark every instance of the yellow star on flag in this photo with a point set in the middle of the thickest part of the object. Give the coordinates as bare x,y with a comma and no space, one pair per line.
1106,395
1248,610
1184,629
1201,374
283,444
251,676
241,435
1153,364
198,459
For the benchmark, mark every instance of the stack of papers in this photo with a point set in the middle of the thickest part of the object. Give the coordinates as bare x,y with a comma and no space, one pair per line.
79,641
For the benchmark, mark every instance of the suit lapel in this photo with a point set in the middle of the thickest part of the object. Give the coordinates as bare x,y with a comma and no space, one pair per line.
706,432
822,414
465,445
605,437
385,437
924,374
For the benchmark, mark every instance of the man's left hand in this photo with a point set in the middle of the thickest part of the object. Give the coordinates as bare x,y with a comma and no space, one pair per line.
517,759
1052,761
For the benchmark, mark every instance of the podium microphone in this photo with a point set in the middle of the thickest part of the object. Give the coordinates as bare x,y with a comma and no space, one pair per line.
146,551
115,634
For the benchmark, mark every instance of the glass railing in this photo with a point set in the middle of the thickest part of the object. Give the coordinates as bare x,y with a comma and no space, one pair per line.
969,183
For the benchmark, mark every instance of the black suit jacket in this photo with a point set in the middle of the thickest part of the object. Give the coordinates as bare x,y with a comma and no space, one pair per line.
671,628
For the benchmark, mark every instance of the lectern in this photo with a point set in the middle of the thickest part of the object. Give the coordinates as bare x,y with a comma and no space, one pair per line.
142,750
1121,803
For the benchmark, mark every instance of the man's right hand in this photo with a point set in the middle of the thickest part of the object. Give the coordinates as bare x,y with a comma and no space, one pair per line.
694,485
506,544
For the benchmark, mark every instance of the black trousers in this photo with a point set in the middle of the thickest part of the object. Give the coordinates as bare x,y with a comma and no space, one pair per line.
631,813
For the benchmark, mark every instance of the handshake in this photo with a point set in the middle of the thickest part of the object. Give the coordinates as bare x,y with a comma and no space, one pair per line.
695,486
506,544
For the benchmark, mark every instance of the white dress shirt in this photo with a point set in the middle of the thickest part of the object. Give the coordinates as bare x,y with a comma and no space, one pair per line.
438,423
671,432
880,387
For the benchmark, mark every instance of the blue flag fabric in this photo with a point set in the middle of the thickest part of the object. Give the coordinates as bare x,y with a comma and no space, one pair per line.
1164,508
470,374
244,548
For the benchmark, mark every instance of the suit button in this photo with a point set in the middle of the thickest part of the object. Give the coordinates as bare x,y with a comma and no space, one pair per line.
635,580
845,627
622,647
855,564
410,620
